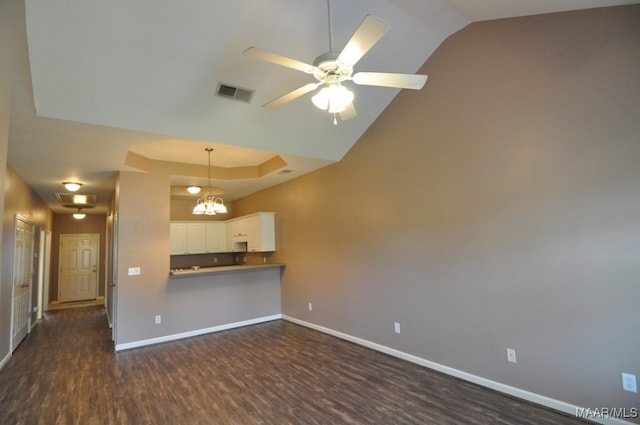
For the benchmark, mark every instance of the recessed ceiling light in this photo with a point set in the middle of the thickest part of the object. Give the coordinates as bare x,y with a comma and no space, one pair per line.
193,189
72,186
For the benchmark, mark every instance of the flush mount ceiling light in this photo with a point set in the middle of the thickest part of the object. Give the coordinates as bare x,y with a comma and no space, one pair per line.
193,189
332,68
79,215
72,186
209,204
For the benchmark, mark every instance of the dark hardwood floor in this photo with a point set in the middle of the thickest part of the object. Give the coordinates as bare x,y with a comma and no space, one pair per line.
66,372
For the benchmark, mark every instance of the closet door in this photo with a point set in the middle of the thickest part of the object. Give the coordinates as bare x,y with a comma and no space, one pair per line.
22,275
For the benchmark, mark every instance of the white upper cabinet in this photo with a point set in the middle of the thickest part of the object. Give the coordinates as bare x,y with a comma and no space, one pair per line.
252,233
262,235
187,238
215,236
178,238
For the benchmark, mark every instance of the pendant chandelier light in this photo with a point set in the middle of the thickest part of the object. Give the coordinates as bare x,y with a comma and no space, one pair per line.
209,204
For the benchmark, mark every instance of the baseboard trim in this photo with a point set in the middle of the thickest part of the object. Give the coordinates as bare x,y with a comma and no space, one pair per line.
151,341
558,405
5,360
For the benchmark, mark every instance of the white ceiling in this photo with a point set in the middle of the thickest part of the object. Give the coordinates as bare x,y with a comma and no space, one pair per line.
105,78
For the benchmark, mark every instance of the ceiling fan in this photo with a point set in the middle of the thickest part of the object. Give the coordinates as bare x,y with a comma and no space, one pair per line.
332,68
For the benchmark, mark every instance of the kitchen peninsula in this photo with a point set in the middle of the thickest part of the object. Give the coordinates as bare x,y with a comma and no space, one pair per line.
211,282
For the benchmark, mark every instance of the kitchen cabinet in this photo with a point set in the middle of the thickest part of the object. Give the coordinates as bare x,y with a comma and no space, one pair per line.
252,233
261,229
187,238
215,236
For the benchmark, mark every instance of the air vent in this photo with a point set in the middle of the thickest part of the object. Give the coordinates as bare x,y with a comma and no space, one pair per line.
75,201
235,93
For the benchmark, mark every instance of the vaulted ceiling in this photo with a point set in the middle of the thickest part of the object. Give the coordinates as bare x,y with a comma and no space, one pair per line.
107,86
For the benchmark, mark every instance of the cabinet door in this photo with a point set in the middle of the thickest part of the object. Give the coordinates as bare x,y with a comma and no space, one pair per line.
254,238
261,228
178,238
267,232
215,237
240,230
196,240
228,233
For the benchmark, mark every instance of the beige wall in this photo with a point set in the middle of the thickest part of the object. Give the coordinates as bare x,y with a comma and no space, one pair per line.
498,207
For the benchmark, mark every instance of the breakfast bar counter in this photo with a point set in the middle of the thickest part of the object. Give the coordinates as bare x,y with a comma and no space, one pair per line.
201,271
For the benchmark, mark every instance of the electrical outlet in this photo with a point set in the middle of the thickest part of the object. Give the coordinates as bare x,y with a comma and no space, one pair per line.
629,382
310,307
215,260
396,327
158,319
511,355
264,260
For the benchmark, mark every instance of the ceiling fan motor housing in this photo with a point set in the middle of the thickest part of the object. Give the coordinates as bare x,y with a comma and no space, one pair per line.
327,65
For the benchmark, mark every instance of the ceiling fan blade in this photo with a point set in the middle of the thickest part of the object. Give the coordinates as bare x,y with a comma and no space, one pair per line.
279,60
291,95
349,113
389,79
371,30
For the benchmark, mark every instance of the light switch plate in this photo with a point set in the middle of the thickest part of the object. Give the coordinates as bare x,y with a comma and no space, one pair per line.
134,271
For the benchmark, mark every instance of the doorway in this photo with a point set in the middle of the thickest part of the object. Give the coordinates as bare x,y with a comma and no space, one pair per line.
78,267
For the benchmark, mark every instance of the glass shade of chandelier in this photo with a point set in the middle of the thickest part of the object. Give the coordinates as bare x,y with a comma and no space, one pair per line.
209,204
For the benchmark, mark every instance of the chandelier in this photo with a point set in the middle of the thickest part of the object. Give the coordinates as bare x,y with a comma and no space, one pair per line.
209,204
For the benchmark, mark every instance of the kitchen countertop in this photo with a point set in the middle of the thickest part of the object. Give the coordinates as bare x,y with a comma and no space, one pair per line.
180,273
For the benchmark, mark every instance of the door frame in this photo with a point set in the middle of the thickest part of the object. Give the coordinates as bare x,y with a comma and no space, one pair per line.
44,265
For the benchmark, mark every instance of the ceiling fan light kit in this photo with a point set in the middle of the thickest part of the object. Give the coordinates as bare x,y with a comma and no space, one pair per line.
333,68
333,98
209,204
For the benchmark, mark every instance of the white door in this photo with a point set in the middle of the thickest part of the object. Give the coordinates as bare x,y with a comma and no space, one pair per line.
78,270
22,273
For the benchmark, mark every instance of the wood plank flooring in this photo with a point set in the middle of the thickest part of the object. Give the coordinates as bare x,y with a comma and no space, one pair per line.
65,372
